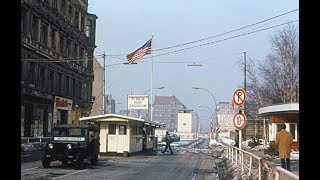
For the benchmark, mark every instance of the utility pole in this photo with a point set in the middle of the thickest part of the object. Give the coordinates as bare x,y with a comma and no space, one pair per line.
245,89
104,84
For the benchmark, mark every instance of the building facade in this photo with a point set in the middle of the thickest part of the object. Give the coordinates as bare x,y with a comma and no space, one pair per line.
166,109
57,46
97,89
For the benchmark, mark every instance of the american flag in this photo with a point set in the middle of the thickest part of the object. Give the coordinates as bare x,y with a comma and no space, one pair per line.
140,52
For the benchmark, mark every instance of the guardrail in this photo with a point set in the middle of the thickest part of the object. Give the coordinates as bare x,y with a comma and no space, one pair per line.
237,156
286,172
246,161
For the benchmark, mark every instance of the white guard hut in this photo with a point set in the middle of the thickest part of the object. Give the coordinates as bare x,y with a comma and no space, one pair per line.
124,135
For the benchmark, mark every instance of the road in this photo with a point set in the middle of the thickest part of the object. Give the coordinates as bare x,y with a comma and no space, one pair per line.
193,162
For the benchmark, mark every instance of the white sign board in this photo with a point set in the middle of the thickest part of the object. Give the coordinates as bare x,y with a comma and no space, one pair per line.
138,101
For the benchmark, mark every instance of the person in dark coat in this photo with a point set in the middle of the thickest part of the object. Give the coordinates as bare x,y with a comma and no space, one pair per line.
168,141
284,141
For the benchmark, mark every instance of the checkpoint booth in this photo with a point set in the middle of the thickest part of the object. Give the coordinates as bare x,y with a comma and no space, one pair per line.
283,113
124,135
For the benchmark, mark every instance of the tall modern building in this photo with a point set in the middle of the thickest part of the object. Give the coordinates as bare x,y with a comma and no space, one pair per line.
110,105
57,46
166,109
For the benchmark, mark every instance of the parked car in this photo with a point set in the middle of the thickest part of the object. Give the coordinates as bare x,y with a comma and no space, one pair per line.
174,137
73,143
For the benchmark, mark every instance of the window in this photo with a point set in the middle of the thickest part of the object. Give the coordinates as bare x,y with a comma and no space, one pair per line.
54,4
82,23
61,44
62,7
88,30
80,90
31,72
51,76
75,50
44,33
67,85
68,51
59,86
70,13
74,88
76,19
290,127
42,78
112,129
53,39
34,28
122,129
24,21
294,131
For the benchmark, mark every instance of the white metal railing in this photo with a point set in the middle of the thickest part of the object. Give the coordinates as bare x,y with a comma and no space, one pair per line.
237,156
286,172
246,159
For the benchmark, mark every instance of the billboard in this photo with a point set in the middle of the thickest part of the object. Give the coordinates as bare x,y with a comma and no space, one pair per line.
138,101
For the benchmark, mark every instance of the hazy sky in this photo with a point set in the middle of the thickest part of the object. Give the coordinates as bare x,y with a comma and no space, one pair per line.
123,26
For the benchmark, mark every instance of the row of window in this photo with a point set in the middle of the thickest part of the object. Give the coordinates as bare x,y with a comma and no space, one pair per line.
135,130
42,34
54,82
66,9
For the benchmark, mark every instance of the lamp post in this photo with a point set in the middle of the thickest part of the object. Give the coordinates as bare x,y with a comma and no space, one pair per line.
211,122
153,88
216,110
151,102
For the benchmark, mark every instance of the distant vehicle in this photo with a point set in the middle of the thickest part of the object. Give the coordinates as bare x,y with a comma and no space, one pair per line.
174,137
73,143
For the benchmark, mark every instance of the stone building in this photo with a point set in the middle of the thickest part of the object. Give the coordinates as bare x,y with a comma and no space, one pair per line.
57,46
166,109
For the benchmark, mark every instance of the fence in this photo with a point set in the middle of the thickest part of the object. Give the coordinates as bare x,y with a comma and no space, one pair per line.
248,163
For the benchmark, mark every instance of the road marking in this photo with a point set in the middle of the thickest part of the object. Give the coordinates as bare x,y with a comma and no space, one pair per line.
69,174
29,169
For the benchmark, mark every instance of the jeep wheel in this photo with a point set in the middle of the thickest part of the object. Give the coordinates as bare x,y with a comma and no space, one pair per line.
94,160
64,163
79,164
45,162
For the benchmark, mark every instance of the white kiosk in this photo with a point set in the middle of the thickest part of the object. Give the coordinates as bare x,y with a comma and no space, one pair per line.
124,135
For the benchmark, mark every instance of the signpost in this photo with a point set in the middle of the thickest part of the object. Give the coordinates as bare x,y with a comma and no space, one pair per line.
239,119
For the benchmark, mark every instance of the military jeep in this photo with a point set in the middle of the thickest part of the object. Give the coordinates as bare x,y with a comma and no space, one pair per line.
77,144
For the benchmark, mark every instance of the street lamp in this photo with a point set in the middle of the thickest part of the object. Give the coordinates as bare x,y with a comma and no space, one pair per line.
153,88
216,110
211,122
151,102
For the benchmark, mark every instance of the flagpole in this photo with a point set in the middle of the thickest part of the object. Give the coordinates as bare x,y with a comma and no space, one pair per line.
151,98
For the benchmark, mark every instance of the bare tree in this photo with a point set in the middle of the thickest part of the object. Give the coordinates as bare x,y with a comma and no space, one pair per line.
275,80
280,71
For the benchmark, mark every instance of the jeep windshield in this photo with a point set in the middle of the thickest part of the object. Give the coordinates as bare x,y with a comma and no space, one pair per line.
69,134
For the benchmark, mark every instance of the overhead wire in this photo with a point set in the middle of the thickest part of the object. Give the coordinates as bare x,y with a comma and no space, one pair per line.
210,37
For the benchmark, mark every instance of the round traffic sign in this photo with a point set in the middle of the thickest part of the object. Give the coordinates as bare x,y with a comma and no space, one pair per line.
239,96
239,120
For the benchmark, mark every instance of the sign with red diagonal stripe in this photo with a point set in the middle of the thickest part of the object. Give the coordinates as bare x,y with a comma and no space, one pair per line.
239,96
239,120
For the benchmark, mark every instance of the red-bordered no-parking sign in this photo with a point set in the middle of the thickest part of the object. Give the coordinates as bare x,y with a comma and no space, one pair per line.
239,96
239,120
